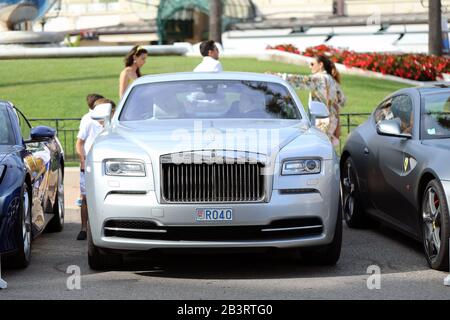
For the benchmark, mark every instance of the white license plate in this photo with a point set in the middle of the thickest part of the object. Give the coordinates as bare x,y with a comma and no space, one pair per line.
214,214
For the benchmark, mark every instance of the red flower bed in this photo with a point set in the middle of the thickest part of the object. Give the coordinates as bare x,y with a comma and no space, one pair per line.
409,66
285,47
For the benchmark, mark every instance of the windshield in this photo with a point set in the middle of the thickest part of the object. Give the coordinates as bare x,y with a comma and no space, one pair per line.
218,99
6,134
436,116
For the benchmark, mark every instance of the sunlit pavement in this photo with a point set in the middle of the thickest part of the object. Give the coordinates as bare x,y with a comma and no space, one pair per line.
404,271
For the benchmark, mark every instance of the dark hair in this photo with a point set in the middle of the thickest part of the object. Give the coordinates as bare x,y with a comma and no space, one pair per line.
136,51
105,100
91,98
207,46
329,67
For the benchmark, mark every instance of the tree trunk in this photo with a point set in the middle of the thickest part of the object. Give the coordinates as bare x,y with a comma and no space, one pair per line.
435,28
215,20
339,8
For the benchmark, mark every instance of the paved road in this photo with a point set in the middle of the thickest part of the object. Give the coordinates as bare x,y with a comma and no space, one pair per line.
405,274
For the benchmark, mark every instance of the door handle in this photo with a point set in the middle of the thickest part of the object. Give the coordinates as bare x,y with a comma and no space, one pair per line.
366,151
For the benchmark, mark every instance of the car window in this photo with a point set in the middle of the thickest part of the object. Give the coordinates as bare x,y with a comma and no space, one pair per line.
223,99
402,109
6,132
398,108
383,111
435,118
25,127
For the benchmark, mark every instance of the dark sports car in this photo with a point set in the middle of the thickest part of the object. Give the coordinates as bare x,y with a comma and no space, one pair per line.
396,168
31,184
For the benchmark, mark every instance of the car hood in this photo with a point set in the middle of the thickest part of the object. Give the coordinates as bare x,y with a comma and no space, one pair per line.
156,138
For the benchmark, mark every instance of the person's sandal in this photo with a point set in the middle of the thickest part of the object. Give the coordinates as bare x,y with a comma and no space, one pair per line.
82,235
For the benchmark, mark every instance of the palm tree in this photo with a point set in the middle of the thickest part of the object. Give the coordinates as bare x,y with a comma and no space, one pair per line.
215,20
435,28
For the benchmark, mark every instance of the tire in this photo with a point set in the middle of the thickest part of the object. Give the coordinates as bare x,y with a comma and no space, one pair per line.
99,260
435,226
352,208
328,254
56,224
22,257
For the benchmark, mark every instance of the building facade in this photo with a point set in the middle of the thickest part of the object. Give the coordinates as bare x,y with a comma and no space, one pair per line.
88,14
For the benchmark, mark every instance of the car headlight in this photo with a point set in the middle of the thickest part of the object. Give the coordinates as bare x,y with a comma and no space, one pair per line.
301,166
129,168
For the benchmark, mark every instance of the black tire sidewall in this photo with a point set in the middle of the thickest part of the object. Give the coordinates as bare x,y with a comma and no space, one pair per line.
19,258
328,254
99,260
357,219
56,223
441,262
93,251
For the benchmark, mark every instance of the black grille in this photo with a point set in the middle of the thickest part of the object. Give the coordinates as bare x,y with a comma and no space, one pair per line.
131,224
311,227
212,182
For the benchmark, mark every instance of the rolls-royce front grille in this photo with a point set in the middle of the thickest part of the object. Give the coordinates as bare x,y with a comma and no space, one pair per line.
212,182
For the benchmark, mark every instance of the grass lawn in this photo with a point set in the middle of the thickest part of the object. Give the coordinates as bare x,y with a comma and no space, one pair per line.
57,88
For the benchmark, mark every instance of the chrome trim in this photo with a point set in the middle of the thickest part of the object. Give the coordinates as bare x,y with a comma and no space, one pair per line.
219,172
291,228
214,156
136,230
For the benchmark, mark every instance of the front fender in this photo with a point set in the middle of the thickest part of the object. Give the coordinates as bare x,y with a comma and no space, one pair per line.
10,193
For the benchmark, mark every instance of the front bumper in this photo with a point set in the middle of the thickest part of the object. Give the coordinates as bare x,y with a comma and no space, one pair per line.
9,211
134,201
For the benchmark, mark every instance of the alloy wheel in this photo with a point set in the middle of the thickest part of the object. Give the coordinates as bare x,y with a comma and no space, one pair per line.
26,225
348,193
431,214
61,197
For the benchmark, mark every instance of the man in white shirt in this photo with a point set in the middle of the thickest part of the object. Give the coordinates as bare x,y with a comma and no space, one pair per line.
210,54
90,99
89,129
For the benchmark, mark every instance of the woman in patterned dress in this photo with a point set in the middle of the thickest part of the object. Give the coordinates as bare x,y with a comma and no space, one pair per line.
324,86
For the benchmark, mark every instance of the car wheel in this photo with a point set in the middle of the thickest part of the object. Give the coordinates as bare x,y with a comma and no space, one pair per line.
99,260
435,226
354,215
328,254
22,257
56,224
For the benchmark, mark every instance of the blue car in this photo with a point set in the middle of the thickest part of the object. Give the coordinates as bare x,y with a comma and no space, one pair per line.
31,184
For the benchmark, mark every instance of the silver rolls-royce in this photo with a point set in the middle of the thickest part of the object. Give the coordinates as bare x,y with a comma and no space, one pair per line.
212,160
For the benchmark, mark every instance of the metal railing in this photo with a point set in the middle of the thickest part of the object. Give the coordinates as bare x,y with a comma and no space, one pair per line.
67,130
348,121
352,120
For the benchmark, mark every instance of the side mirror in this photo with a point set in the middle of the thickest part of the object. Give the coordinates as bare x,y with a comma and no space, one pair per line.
391,128
318,110
41,133
102,112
